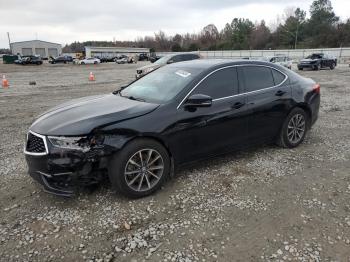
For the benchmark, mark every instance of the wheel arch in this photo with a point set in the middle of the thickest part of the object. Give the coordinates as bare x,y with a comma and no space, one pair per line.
157,139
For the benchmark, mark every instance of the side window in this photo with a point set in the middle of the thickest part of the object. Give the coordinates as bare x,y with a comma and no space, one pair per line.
192,57
185,57
220,84
257,77
277,77
177,58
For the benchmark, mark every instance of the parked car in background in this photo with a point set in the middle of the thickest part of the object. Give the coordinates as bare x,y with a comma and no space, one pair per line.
103,59
122,59
143,57
282,60
317,61
60,59
169,59
29,60
106,59
91,60
138,136
154,58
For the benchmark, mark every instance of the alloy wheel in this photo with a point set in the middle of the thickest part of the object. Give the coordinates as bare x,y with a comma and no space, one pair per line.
144,169
296,128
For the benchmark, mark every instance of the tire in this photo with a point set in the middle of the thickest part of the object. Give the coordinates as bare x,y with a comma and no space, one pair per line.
285,138
82,63
332,66
300,68
95,63
123,163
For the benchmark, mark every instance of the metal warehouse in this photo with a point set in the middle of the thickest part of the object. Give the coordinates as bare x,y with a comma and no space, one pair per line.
36,47
92,51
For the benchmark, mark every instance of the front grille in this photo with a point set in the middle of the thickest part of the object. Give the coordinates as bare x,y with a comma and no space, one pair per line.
35,144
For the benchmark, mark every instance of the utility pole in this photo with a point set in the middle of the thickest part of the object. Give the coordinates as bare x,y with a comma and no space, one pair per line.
8,37
296,37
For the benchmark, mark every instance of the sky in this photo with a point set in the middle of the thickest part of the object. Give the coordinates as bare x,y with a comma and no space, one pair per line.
81,20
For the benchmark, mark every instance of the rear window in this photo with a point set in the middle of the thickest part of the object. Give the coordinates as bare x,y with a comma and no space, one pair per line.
257,77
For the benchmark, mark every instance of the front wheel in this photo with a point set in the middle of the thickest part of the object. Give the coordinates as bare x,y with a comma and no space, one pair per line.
140,169
332,66
317,67
294,129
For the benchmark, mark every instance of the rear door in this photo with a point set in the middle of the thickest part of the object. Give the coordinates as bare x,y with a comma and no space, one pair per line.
222,126
269,100
325,60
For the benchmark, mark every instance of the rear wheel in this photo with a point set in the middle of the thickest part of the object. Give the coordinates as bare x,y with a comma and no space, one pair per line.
95,63
300,68
332,66
82,63
140,168
294,129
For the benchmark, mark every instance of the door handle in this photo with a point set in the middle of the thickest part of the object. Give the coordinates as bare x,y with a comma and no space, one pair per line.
238,105
280,93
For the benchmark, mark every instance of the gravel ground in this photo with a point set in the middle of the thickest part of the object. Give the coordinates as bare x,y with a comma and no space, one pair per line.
262,204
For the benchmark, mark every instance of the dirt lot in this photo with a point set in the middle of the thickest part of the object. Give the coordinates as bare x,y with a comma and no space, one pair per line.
261,204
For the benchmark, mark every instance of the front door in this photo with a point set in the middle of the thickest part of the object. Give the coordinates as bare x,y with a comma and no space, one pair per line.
206,131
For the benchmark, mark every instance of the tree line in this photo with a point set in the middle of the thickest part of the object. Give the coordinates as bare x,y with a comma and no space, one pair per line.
293,29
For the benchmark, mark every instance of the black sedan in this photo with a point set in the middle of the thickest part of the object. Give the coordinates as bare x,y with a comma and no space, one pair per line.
139,136
318,61
61,59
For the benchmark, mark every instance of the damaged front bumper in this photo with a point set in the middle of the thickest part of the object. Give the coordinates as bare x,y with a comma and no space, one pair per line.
62,171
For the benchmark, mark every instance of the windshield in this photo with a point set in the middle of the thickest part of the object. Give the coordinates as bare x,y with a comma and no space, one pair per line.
162,61
160,86
314,56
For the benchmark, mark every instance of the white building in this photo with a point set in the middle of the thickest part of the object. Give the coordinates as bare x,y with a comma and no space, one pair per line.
96,51
36,47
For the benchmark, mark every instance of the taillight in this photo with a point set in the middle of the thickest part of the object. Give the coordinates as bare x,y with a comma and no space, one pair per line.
317,88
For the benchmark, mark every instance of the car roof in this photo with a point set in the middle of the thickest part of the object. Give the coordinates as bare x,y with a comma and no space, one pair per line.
213,63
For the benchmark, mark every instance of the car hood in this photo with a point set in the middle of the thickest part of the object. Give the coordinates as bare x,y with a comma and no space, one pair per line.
308,60
81,116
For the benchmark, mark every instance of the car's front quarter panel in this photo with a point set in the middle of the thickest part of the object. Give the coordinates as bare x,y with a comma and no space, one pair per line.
158,124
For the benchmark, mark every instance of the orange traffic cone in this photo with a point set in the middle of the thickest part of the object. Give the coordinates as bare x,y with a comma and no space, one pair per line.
91,77
5,82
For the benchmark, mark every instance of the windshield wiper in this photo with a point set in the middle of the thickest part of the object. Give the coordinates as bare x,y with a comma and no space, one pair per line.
129,97
135,98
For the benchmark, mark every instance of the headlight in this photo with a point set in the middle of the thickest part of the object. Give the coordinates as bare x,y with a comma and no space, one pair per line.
76,143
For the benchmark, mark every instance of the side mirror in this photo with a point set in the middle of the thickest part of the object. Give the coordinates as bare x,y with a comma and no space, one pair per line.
198,100
170,61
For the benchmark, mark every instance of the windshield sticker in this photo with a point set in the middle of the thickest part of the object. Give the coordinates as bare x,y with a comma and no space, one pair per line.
183,73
